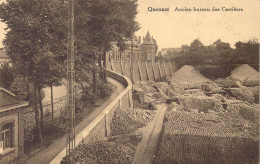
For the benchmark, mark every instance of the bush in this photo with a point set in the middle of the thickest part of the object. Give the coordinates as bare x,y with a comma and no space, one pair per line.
104,89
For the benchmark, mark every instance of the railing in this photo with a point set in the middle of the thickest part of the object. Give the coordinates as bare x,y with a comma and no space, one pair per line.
100,126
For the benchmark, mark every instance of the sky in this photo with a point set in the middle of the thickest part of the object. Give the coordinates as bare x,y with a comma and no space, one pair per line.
175,28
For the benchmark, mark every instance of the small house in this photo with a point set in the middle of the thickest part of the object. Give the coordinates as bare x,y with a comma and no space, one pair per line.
11,126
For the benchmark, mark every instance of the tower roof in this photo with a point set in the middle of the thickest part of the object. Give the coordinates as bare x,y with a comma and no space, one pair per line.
148,39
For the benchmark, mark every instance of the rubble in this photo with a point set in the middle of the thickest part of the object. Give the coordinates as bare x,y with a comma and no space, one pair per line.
226,83
129,120
188,74
104,152
244,94
201,103
246,75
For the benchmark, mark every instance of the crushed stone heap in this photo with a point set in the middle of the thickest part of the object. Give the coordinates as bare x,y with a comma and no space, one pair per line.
246,75
188,74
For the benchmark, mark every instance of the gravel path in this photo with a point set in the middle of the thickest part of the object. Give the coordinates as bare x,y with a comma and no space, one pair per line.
46,155
146,148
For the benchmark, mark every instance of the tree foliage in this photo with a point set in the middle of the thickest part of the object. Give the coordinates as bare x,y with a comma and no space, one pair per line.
217,59
6,76
35,41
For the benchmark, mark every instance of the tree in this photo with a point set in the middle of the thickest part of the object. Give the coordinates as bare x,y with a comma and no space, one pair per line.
6,75
111,21
35,41
248,52
156,45
223,49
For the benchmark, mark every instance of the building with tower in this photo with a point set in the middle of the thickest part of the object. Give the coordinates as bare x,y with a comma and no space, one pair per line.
145,50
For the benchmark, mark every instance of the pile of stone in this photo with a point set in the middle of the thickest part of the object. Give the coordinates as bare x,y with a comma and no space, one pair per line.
245,94
127,121
146,94
104,152
215,137
195,103
245,74
188,74
239,122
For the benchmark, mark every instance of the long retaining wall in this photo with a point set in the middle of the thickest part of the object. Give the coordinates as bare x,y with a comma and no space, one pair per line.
100,126
144,70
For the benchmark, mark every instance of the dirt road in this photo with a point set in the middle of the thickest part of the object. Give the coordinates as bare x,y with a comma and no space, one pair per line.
146,148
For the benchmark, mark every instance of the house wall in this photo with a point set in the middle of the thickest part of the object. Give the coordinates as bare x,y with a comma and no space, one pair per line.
15,117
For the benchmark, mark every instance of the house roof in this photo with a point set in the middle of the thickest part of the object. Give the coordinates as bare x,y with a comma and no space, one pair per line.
8,101
3,54
148,39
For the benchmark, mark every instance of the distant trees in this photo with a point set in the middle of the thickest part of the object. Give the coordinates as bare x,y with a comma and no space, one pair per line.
218,53
217,59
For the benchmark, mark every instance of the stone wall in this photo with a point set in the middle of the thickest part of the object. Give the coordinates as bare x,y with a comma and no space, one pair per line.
100,126
59,106
144,70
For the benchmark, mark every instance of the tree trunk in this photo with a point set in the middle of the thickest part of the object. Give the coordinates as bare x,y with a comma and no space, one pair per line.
100,66
94,74
52,102
105,66
37,120
28,89
41,109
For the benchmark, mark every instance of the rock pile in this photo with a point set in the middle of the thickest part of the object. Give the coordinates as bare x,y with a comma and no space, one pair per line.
188,74
129,120
197,103
246,75
216,137
104,152
229,124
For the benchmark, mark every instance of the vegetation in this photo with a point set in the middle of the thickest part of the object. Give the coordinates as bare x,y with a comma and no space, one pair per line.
6,76
36,42
218,59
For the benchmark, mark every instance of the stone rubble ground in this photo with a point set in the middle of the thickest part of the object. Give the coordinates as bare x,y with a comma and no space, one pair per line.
196,105
126,121
199,97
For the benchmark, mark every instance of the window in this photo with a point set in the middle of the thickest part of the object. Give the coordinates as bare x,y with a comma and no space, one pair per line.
148,56
7,135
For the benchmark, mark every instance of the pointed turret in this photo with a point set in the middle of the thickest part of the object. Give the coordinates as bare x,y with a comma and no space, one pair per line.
148,39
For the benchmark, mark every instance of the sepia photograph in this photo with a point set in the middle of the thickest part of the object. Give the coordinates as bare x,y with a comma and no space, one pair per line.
129,81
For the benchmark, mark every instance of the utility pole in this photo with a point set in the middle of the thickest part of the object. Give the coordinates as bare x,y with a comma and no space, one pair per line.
132,61
70,112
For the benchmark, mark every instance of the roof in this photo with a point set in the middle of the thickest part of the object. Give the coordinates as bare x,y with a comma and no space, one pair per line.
8,101
148,39
3,54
